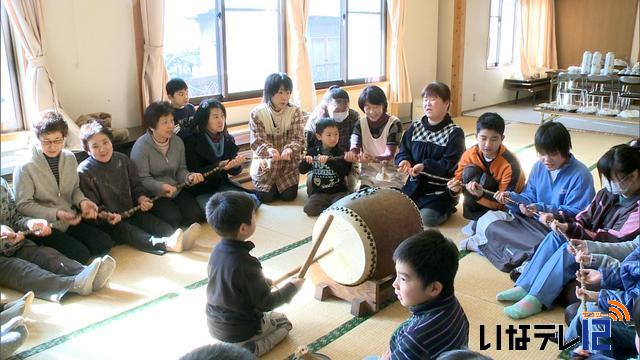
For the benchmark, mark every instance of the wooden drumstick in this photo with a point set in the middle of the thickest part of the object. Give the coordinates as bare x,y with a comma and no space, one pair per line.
296,270
316,246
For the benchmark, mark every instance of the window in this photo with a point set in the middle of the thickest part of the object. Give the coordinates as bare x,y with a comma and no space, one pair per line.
223,47
346,41
11,114
502,28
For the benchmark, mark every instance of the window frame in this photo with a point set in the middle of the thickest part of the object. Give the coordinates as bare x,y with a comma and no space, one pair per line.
221,56
344,46
10,52
497,64
221,53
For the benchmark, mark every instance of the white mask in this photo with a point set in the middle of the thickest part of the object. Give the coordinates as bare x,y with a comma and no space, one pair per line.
340,116
612,186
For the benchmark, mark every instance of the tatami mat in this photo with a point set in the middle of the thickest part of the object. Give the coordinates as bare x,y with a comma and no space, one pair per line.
478,278
372,336
154,306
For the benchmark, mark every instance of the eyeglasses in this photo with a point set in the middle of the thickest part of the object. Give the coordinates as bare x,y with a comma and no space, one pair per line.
51,142
624,179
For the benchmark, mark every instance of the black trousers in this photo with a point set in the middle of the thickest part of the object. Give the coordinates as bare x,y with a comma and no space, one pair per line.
470,208
273,194
80,242
144,231
181,210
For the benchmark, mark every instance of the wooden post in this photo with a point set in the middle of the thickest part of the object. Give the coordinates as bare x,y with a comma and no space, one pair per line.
457,56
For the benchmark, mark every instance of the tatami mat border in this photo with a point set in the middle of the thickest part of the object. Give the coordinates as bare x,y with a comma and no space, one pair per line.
349,325
64,338
314,346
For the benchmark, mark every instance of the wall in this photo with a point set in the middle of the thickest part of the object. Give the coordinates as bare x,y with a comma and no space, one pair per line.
421,47
91,56
445,40
486,84
594,25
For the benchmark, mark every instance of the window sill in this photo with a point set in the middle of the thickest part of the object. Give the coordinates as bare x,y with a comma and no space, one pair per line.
319,92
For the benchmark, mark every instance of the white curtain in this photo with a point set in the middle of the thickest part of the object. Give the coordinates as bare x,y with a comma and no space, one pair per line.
27,24
538,37
400,86
154,72
299,66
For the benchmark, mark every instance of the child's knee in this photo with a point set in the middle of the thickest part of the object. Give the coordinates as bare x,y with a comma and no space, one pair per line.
431,217
471,173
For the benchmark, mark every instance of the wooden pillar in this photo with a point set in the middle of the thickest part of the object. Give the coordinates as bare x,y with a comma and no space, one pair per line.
139,44
457,56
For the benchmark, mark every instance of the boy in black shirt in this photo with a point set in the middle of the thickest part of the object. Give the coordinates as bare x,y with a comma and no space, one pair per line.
329,168
183,111
239,297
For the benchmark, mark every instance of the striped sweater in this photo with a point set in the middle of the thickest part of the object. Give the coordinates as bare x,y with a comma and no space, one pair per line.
435,327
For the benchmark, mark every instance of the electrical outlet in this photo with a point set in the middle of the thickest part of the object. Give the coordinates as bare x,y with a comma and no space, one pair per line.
474,97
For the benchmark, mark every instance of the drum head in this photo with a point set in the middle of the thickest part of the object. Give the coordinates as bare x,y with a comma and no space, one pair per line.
350,262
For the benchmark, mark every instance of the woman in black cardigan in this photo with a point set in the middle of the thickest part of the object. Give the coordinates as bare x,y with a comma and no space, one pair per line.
210,147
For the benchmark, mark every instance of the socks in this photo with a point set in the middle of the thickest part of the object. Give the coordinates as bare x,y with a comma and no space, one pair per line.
526,307
106,269
13,335
470,244
190,236
469,229
514,294
83,282
175,242
16,308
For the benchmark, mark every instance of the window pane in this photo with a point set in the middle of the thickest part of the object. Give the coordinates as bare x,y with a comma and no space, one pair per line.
252,43
364,51
492,57
323,37
507,31
9,121
365,6
190,43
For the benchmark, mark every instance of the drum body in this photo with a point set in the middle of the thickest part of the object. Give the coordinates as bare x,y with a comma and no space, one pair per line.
367,227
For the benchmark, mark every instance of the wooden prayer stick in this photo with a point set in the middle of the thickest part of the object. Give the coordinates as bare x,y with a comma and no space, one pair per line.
434,176
316,246
101,215
488,192
296,270
128,213
583,300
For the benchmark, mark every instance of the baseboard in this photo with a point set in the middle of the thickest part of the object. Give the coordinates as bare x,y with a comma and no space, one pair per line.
500,103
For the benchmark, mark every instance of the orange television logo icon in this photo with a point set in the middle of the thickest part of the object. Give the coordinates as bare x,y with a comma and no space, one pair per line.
618,312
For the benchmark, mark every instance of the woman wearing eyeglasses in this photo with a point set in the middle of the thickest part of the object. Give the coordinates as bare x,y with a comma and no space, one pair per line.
47,187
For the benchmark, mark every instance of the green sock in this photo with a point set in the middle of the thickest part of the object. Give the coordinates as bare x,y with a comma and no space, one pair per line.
514,294
526,307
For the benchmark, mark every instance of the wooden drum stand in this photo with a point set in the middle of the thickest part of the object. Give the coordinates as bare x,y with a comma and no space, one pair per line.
365,298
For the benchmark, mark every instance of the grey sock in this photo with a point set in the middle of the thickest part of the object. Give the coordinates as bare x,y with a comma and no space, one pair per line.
83,282
16,309
12,340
